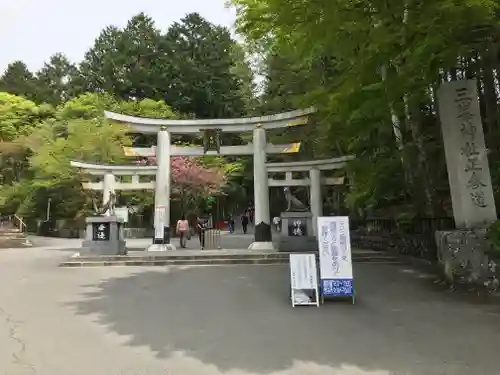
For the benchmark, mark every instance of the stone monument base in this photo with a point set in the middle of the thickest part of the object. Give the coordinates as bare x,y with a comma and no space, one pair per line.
297,245
464,258
104,236
296,233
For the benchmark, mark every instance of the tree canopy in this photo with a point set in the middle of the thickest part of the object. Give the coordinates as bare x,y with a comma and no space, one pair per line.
55,115
371,68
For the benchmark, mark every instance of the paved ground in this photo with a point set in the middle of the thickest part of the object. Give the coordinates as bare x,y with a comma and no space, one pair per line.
234,320
237,240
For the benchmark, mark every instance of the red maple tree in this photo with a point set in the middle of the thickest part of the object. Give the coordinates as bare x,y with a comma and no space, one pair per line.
190,178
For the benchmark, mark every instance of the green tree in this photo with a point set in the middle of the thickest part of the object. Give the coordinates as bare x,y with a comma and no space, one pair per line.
19,119
377,67
78,131
124,63
37,162
196,67
201,59
19,116
56,80
242,70
18,80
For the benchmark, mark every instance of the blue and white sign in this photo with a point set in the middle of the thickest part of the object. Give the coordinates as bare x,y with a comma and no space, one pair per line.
335,261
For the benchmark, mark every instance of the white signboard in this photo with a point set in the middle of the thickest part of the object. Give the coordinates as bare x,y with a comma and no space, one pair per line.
160,220
122,213
335,256
304,279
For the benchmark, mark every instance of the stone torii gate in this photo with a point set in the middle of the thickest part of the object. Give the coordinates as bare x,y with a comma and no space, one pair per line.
211,129
314,181
109,184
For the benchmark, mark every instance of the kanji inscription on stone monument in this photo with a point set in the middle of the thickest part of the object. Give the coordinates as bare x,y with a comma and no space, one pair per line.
466,155
101,231
297,228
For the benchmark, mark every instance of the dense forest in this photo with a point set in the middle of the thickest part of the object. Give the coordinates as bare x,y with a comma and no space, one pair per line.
371,68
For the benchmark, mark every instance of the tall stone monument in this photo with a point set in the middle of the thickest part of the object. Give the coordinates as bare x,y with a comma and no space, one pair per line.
466,155
462,253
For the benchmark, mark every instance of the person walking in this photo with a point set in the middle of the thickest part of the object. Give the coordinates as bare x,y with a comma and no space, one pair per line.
182,230
230,224
244,223
202,226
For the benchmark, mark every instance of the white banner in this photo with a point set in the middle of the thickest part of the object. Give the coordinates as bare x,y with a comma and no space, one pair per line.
122,213
303,280
303,272
160,220
334,248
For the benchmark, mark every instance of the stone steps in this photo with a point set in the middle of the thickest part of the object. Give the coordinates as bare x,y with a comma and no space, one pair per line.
13,238
201,259
12,235
9,230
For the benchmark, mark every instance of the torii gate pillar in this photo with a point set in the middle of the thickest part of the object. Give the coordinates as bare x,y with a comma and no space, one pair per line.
263,237
161,241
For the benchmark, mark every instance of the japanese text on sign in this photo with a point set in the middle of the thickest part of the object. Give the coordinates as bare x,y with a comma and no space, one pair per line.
160,221
334,248
297,227
297,231
338,287
101,232
335,257
468,130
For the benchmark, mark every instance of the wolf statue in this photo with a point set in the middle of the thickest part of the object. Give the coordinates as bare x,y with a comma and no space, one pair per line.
109,206
293,203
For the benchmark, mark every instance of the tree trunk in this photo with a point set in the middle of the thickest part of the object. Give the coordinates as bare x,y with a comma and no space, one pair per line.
396,123
423,188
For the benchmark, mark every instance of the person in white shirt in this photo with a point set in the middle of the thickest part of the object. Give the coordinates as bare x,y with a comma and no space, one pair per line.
182,230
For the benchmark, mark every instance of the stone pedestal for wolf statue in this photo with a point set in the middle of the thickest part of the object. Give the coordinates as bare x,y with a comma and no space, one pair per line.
104,231
296,226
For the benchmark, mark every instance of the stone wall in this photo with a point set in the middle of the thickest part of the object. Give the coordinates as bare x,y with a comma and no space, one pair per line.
420,246
466,258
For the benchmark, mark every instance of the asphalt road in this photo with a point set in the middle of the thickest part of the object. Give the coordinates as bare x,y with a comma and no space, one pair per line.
232,320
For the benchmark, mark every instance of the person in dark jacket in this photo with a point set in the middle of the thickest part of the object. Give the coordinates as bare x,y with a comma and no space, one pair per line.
202,226
244,223
230,224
